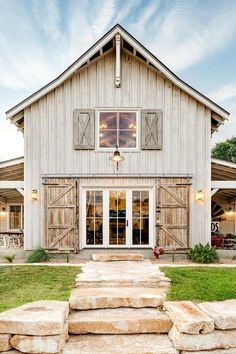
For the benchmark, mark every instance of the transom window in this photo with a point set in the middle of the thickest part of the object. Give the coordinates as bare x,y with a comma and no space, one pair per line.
118,129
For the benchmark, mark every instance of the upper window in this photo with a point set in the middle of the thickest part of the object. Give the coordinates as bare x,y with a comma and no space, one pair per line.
118,129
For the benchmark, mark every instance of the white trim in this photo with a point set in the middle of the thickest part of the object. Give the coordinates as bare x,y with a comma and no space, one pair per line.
12,162
11,184
214,191
117,110
128,190
224,163
81,61
21,191
223,184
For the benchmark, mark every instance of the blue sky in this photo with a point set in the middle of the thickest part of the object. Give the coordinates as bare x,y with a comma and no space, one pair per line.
40,38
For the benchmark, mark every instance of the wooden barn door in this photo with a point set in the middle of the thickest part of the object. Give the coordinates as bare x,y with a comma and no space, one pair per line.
61,208
173,213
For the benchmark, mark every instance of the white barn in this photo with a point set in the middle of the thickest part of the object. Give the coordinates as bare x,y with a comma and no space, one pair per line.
117,94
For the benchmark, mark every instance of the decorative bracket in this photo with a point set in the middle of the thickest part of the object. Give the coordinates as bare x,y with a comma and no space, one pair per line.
118,66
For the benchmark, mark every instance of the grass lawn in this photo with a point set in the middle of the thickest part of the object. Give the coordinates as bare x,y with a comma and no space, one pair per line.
22,284
201,283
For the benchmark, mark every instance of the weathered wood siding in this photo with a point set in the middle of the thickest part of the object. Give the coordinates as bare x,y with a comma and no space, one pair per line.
49,146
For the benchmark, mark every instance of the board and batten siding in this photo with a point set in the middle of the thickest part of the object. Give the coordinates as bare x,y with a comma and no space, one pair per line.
49,136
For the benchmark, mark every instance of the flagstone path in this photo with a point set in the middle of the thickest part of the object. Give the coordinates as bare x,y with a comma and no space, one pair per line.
116,307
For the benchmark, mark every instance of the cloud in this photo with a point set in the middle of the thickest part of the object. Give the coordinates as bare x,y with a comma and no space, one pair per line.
223,93
185,37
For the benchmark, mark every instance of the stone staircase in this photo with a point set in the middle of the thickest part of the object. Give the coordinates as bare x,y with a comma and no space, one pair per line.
116,308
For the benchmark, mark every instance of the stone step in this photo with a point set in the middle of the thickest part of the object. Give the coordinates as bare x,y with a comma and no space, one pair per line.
119,321
188,318
121,274
101,298
222,312
36,318
125,344
108,257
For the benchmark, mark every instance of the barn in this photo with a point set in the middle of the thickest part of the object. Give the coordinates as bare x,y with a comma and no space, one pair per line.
117,154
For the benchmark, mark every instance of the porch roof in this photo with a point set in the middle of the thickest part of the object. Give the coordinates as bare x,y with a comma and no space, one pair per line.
11,180
223,175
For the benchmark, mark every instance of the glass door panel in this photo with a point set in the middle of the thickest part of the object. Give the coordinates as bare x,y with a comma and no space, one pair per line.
117,217
94,217
140,217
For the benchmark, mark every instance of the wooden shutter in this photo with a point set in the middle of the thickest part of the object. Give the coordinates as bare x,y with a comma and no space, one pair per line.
173,213
151,129
61,227
84,130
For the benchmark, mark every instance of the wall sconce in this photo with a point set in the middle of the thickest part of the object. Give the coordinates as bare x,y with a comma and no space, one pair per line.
116,157
200,196
230,212
34,195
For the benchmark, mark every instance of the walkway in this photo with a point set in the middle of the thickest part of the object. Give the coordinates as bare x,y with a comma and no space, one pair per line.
116,308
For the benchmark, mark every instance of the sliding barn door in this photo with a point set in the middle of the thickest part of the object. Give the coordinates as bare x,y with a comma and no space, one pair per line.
173,212
61,209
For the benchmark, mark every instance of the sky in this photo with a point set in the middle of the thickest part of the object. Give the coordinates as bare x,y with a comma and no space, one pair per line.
40,38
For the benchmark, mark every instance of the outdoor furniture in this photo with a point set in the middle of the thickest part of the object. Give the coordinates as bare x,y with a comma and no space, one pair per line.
11,239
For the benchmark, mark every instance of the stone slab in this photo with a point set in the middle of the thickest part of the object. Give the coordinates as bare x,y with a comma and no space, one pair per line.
12,351
36,318
108,257
119,321
117,344
188,318
217,351
40,344
100,298
215,340
121,274
5,342
222,312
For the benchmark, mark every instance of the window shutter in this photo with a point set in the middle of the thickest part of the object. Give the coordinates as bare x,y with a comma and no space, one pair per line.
151,129
84,131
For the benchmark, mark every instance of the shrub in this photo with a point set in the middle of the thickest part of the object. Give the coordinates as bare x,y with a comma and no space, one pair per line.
234,258
203,254
9,258
38,256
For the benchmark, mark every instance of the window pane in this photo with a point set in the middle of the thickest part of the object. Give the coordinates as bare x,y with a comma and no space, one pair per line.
94,220
127,139
136,203
90,203
136,231
145,231
108,120
145,204
15,217
127,120
117,128
108,138
98,204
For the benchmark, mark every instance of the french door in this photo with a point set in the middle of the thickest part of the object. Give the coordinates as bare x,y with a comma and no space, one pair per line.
117,217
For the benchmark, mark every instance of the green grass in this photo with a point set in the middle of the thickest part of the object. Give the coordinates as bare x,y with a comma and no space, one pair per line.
201,283
22,284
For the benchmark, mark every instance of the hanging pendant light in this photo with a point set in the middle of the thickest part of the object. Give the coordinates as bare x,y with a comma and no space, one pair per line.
116,157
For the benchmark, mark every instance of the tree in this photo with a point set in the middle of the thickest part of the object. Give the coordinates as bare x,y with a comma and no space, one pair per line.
226,150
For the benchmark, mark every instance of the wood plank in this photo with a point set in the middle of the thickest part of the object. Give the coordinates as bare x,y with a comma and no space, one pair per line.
173,195
60,237
52,202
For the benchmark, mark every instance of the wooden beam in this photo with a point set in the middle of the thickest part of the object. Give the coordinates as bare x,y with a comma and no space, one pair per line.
223,184
218,118
17,117
118,62
11,184
214,191
21,191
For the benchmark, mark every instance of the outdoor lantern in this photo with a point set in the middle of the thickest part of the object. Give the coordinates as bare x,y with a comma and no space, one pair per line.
230,211
116,157
200,195
34,194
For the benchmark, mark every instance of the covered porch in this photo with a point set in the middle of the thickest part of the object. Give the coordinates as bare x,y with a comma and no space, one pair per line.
223,196
12,203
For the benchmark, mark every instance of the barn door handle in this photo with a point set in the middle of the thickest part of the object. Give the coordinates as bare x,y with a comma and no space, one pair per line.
127,222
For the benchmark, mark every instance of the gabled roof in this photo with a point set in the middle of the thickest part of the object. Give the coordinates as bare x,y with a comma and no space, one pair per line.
103,45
